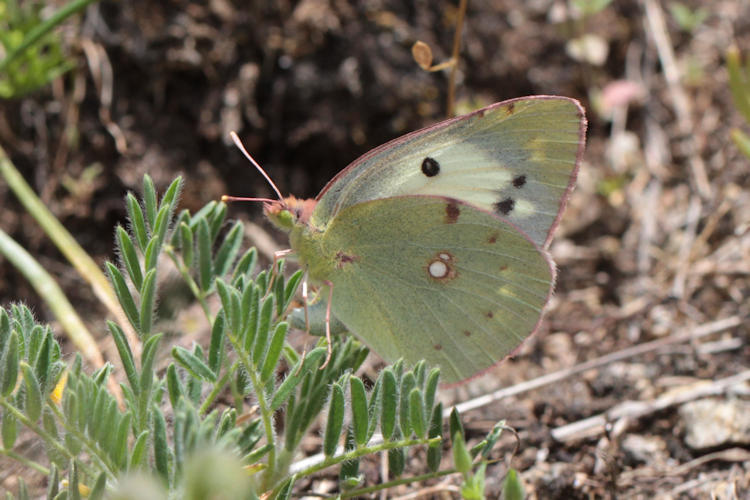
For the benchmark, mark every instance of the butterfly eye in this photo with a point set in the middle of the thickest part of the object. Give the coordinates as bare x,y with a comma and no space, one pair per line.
430,167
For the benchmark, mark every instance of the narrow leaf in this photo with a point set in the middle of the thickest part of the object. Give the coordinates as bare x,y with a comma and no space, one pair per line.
137,221
121,440
74,492
246,264
149,200
360,416
461,456
455,423
139,451
162,224
170,195
204,255
33,406
97,492
249,316
228,250
435,452
151,255
148,302
335,420
161,447
285,492
123,295
373,408
129,257
274,352
186,242
9,430
216,347
513,487
9,371
349,476
146,377
174,387
202,214
126,355
291,288
261,338
433,379
417,413
217,220
396,457
4,328
194,365
407,384
389,395
295,376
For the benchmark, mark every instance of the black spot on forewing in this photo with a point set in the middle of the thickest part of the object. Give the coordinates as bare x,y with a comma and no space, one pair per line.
505,206
510,108
519,181
430,167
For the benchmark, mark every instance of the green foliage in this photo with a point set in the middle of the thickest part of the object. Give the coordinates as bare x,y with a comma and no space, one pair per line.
591,7
33,54
686,18
513,487
739,84
170,434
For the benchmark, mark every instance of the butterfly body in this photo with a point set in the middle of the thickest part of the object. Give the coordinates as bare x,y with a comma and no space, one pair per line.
435,243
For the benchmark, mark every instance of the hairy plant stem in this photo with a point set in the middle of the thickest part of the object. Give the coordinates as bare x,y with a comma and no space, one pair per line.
265,411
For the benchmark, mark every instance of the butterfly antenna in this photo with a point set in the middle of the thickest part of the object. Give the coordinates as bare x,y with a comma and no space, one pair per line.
241,147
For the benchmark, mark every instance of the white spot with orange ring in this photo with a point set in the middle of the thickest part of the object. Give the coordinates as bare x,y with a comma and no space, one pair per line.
438,269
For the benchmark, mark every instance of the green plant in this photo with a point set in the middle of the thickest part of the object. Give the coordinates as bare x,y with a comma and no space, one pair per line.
739,83
188,428
686,18
590,7
32,53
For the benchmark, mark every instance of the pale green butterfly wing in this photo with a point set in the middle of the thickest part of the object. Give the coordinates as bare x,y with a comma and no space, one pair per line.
425,277
517,159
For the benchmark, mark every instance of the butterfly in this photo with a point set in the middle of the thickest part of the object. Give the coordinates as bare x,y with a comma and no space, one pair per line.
434,245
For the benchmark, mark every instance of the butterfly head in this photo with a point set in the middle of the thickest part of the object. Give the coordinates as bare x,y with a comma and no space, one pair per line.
289,212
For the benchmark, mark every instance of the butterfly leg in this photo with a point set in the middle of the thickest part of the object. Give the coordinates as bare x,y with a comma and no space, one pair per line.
328,324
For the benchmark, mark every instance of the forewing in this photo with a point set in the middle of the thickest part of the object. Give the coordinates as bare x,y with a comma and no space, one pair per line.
424,277
517,158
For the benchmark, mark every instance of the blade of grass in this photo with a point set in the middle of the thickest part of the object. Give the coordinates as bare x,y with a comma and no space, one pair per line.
69,247
43,28
48,289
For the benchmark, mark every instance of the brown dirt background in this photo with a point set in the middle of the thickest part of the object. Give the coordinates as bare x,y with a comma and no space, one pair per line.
649,248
